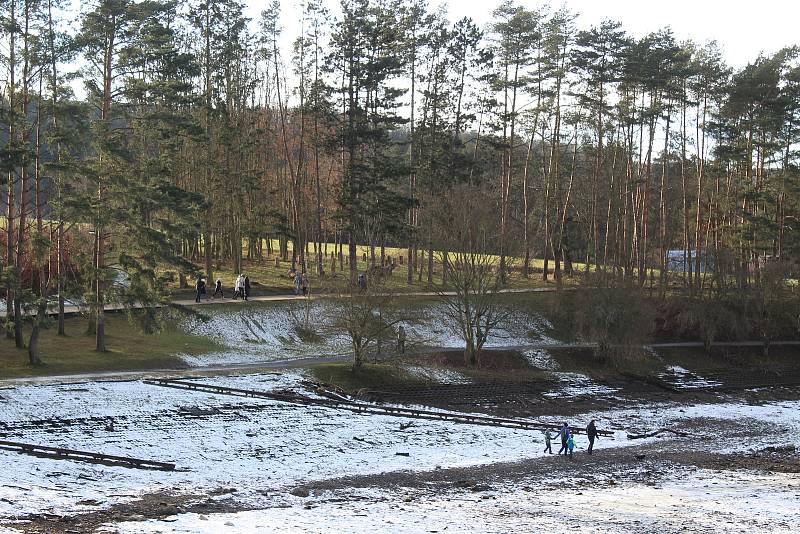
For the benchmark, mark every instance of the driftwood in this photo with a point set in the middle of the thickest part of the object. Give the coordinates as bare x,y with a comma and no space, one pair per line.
657,432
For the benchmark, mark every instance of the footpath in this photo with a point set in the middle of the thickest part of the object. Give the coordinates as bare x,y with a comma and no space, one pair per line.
71,309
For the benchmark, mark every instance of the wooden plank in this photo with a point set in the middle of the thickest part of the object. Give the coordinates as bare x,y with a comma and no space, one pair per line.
358,407
92,457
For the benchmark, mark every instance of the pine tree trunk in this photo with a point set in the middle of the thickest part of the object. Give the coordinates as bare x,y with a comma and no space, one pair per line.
526,243
663,244
41,312
12,137
105,117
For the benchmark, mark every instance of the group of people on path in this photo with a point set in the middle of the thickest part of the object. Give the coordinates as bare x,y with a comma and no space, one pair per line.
568,439
300,281
241,288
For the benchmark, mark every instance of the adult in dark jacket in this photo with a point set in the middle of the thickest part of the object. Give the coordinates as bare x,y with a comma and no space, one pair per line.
564,433
246,287
200,287
591,433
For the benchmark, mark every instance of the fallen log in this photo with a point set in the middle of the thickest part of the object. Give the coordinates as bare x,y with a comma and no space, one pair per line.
657,432
60,453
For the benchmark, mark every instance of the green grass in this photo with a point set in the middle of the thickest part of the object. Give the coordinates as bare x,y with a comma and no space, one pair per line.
369,376
128,350
392,377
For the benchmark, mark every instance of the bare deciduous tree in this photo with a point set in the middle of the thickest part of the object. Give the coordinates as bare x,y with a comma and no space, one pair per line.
471,297
365,312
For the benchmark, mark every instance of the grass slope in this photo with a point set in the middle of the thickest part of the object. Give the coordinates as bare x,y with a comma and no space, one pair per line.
128,350
369,376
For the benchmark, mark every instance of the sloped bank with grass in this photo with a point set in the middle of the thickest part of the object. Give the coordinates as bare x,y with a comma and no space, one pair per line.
129,349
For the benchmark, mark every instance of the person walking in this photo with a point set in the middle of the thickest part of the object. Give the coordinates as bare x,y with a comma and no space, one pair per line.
246,287
237,287
200,288
304,284
298,284
401,340
592,434
571,444
548,447
218,289
564,433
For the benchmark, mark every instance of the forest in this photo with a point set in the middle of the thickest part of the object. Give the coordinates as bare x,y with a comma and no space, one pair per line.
145,143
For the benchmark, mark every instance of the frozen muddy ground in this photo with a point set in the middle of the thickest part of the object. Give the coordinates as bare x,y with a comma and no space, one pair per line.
263,448
700,501
268,332
215,440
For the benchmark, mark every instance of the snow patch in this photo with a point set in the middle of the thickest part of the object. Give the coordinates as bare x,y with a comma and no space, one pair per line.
577,385
680,378
264,333
541,359
258,445
438,375
703,500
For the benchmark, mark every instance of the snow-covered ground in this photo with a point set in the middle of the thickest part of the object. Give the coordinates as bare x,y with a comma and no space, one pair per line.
576,384
698,501
681,378
258,445
541,359
265,332
215,440
268,332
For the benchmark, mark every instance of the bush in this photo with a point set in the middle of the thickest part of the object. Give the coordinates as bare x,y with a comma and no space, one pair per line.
614,314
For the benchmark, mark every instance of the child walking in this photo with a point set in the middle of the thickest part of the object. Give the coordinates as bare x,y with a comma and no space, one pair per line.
547,438
571,444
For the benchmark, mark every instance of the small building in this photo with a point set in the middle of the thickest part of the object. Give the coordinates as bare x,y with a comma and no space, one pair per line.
676,263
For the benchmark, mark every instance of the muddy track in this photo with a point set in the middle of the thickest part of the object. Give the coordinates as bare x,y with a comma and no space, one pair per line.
632,463
648,465
532,399
150,506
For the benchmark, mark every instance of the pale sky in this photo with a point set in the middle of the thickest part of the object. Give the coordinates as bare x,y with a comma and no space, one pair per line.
743,28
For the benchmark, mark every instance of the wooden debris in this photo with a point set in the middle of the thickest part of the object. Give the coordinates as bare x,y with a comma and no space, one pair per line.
657,432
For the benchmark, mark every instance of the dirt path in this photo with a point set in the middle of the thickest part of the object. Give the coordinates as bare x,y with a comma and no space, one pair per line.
298,363
73,309
647,463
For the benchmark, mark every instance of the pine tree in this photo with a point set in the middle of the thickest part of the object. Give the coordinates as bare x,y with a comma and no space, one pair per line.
365,58
517,31
132,58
